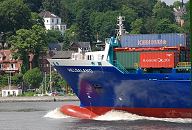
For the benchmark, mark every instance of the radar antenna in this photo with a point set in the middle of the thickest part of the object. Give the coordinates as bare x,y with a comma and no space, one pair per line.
120,30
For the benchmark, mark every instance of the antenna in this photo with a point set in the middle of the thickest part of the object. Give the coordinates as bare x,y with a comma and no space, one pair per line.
120,30
182,3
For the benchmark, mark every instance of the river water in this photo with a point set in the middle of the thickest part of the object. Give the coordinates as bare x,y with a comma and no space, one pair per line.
46,116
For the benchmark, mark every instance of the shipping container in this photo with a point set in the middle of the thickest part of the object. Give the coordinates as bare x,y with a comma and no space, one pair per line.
150,48
158,59
154,40
129,60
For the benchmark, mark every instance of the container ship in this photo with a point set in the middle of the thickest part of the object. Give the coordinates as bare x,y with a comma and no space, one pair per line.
144,74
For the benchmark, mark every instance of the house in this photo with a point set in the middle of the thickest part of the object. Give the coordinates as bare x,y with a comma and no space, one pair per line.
52,21
62,54
11,92
52,54
8,64
55,46
80,48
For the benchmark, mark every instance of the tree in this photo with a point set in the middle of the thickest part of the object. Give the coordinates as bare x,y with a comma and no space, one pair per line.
104,24
66,43
14,15
17,79
130,16
33,78
186,18
165,26
29,41
142,7
3,80
54,36
136,26
177,4
36,19
150,25
34,5
53,6
58,82
84,28
163,11
70,36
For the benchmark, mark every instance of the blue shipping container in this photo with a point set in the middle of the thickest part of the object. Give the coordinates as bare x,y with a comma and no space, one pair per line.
153,40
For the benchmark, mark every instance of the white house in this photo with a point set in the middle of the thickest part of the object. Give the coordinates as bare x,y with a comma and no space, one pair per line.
52,22
11,92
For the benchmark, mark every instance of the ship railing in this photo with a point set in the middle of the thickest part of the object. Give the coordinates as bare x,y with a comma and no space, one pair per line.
120,67
184,65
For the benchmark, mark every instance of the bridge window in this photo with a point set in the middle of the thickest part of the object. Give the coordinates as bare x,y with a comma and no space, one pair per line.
183,70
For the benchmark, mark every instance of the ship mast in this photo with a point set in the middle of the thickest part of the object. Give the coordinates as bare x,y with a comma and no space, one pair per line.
120,30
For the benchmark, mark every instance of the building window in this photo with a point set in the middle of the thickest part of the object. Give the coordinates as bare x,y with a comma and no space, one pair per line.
52,20
1,66
47,21
10,57
1,57
12,66
57,21
102,57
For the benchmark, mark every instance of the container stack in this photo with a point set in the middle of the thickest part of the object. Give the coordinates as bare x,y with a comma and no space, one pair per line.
152,50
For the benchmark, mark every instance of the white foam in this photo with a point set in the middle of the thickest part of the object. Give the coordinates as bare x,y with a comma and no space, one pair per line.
115,115
56,114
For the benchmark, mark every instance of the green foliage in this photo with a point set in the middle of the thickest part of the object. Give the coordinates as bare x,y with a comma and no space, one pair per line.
14,15
186,17
150,25
164,13
142,7
28,41
165,26
28,94
84,28
137,26
91,17
130,16
34,5
70,35
54,36
33,77
53,6
17,79
66,43
104,24
36,19
59,82
3,80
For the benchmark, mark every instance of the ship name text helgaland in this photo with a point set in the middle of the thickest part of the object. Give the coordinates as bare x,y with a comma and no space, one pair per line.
73,70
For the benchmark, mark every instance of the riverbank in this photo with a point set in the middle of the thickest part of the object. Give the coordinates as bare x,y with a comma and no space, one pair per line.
39,99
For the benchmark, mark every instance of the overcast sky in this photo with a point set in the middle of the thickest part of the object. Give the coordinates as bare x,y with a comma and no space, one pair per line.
170,2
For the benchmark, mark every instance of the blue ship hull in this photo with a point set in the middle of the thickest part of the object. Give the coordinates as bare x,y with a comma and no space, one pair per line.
102,88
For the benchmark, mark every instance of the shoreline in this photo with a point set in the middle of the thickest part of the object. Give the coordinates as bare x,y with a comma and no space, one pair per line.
39,99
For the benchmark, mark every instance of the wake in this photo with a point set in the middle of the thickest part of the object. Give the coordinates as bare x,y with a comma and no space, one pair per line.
115,115
55,114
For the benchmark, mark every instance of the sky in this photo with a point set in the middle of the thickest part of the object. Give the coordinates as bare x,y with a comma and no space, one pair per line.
170,2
